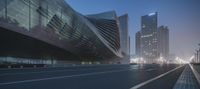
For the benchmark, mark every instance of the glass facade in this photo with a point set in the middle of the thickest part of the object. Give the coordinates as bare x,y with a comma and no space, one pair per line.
163,41
138,44
124,36
56,23
149,41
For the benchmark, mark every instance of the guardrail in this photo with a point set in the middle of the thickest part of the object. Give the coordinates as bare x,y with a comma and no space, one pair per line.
14,66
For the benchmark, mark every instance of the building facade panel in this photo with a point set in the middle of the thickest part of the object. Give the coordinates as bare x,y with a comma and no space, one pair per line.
56,23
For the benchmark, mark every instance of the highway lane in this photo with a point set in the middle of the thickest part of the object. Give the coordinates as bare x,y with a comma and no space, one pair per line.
166,82
27,74
25,70
90,77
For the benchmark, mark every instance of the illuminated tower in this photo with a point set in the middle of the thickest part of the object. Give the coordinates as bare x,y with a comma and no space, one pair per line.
163,41
149,41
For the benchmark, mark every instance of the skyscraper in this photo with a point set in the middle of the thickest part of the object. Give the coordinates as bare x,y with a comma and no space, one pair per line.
138,44
163,41
149,41
124,37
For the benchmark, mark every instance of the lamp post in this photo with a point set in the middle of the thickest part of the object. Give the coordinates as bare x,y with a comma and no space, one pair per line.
197,56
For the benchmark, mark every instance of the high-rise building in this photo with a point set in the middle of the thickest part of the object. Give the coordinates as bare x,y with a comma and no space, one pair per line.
129,46
138,44
124,37
163,41
149,41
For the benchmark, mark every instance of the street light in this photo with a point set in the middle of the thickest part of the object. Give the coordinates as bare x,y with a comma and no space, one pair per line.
197,54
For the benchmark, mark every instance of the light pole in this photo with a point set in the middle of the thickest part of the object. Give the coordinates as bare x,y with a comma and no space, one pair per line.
197,56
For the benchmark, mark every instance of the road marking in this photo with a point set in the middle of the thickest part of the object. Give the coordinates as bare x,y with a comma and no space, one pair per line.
155,78
60,77
196,74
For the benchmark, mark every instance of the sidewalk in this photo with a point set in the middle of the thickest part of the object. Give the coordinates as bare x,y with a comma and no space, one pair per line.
187,80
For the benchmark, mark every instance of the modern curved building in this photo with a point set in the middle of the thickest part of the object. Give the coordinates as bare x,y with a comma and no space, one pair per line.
51,29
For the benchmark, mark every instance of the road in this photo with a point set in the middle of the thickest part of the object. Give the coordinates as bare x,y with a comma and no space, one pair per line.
92,77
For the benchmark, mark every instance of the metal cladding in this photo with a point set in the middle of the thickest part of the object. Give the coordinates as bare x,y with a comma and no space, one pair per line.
56,23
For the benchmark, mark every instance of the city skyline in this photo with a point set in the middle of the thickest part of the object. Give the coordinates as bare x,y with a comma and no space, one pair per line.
76,44
181,16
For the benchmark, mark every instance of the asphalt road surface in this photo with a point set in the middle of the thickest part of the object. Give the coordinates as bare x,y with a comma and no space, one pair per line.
151,76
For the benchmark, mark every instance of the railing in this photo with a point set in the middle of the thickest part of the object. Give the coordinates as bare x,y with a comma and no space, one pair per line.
26,60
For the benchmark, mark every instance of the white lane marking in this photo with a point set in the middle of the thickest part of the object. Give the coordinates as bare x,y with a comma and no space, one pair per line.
196,74
60,77
155,78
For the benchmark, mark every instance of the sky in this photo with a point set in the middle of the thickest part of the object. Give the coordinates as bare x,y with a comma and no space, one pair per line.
181,16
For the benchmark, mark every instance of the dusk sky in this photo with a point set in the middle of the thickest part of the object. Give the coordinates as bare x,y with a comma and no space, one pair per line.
181,16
